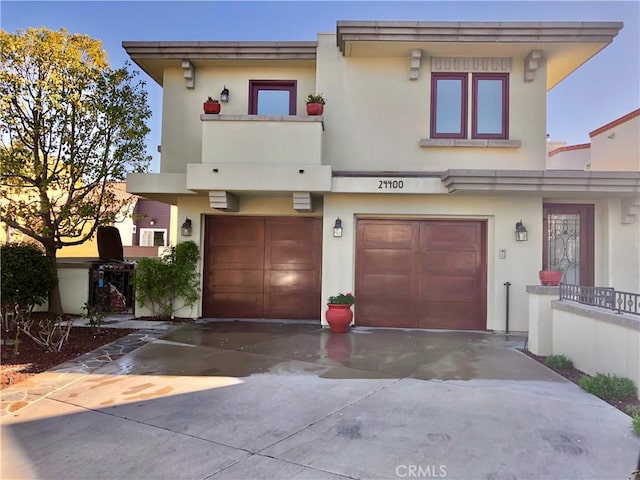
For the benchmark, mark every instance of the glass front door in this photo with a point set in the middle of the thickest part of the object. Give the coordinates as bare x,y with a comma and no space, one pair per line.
568,242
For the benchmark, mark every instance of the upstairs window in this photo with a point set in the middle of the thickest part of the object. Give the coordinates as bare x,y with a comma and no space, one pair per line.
490,110
449,105
272,97
489,105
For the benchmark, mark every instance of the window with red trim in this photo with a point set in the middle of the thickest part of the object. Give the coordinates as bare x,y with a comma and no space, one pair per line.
489,105
449,105
272,97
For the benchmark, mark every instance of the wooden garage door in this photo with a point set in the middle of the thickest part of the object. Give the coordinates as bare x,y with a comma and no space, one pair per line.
421,274
262,267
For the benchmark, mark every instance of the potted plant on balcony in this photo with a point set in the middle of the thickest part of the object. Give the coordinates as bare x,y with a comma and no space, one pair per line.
315,104
339,314
211,106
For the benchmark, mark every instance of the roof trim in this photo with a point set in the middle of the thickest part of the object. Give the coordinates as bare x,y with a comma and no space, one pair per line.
542,181
615,123
568,148
477,32
221,50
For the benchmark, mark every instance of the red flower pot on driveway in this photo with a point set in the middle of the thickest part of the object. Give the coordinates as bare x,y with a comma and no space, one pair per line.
339,317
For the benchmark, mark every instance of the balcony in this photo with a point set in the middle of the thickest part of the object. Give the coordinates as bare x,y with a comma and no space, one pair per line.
261,139
260,153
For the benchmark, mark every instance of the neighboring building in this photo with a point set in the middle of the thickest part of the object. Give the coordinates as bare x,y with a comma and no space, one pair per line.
431,148
144,226
614,147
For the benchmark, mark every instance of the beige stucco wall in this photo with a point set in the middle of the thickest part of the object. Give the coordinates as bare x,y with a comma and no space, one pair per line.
261,142
617,148
520,267
74,288
540,317
569,159
375,116
618,252
182,107
597,341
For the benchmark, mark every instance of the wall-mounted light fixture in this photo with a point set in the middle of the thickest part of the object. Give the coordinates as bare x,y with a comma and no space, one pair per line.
337,228
186,228
521,232
224,95
152,222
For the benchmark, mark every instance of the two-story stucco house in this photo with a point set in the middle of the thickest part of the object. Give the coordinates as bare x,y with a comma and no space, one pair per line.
432,146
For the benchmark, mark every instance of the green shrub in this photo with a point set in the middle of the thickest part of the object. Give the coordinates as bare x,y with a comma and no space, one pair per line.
635,424
160,281
608,387
633,410
27,276
558,362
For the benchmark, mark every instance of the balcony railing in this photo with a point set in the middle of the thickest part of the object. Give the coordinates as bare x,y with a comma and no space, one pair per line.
605,297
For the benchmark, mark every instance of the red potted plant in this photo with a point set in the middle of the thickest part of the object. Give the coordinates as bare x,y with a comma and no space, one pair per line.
339,314
211,106
550,278
315,104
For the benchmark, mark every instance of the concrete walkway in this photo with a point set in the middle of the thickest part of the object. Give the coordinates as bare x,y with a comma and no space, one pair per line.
246,400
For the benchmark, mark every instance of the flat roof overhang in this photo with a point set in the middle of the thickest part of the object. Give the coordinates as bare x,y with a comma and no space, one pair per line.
153,57
565,45
546,182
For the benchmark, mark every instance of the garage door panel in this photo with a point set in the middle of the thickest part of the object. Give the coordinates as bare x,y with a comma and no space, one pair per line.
448,236
292,257
449,289
388,260
253,259
383,283
385,313
391,236
236,280
437,269
296,281
236,305
452,315
236,256
235,230
450,263
303,306
292,230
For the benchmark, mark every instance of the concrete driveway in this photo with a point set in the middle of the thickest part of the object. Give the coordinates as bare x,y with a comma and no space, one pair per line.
241,400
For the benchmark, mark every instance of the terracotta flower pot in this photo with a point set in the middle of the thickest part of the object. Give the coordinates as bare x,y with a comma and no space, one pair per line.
550,278
315,109
211,107
339,317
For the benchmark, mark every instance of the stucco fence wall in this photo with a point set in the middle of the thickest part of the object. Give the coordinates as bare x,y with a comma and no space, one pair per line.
597,340
73,280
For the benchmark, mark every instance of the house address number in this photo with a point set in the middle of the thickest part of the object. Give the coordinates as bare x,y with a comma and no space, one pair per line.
390,184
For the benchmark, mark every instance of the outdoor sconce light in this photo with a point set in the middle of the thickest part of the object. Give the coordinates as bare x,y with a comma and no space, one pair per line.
152,222
224,95
186,228
521,232
337,228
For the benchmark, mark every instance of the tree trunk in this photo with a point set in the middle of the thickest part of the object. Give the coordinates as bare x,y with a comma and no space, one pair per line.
55,302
